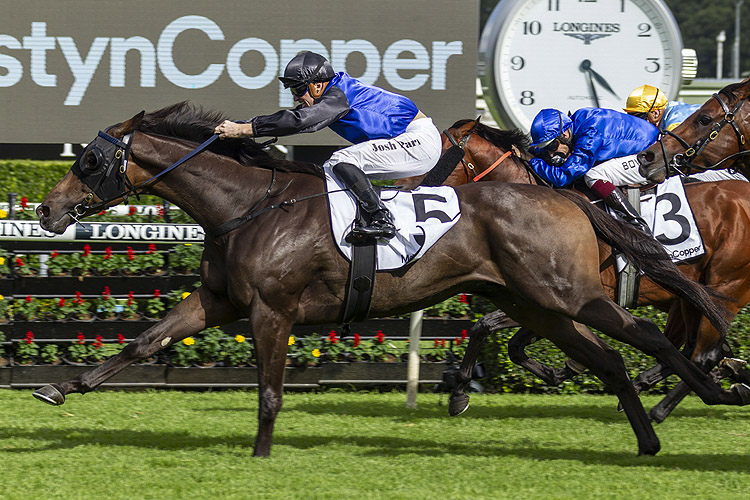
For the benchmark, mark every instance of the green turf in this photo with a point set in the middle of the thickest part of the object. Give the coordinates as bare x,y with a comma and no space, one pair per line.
184,445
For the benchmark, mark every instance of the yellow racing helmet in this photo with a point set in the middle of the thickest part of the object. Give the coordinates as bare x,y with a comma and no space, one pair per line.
644,99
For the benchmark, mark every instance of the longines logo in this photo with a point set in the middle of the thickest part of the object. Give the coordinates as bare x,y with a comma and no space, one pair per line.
587,31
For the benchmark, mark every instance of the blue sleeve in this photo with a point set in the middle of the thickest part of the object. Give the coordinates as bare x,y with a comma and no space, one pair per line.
557,176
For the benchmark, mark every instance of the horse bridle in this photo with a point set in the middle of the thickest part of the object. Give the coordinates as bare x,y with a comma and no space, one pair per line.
684,161
462,144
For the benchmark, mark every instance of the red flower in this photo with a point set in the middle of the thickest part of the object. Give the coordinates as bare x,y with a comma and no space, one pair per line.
160,210
86,250
106,293
107,253
24,203
442,342
151,248
29,337
332,337
54,254
61,302
464,335
380,337
458,341
436,343
131,210
463,298
97,342
157,293
131,253
19,262
29,298
78,299
356,340
131,298
81,338
120,338
102,212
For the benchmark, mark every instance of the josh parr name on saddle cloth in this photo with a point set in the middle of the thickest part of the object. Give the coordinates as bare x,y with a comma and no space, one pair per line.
671,220
421,216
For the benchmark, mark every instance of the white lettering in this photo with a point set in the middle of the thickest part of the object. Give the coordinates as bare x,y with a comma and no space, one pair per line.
234,68
392,64
406,64
39,43
119,49
82,70
13,65
166,44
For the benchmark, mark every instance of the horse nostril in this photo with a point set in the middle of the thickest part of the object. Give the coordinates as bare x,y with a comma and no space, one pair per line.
42,211
647,157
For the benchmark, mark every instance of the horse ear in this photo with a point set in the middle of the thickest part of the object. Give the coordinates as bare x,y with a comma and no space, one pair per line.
129,125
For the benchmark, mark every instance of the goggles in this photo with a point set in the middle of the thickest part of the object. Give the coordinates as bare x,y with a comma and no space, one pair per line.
299,90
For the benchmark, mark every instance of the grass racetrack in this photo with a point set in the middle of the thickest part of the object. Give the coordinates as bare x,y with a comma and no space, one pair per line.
183,445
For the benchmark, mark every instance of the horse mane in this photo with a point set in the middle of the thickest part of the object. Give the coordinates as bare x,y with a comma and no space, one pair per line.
734,91
504,139
194,124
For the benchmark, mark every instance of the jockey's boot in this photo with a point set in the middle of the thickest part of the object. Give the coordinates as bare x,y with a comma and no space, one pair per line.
381,221
617,201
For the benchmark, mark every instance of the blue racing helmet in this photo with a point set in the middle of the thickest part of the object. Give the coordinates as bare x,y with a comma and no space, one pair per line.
547,125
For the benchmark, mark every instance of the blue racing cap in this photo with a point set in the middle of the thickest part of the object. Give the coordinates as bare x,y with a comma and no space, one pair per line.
547,125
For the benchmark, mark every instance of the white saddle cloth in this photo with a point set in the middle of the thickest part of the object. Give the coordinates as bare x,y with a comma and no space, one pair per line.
421,216
672,221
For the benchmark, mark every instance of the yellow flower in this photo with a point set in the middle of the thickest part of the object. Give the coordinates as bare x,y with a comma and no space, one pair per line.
187,244
1,297
188,341
3,214
291,340
316,353
239,338
2,261
185,295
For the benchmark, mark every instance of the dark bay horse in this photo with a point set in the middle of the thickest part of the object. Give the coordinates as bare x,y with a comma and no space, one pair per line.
513,244
722,211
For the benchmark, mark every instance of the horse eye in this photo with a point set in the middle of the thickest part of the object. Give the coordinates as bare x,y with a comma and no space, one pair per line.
704,120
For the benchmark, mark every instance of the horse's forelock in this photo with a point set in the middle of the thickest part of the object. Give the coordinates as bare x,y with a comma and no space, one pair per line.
503,138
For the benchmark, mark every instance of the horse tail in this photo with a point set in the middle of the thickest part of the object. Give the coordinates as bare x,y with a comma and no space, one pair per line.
649,256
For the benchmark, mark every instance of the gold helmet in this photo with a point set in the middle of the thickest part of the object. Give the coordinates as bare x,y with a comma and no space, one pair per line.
644,99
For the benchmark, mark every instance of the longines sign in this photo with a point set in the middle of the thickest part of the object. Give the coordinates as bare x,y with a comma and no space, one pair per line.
70,68
28,230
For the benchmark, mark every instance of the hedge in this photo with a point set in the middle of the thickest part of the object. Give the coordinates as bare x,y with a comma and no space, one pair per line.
34,179
504,376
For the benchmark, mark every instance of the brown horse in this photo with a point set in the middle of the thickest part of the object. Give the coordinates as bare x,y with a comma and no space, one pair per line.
513,244
714,137
725,266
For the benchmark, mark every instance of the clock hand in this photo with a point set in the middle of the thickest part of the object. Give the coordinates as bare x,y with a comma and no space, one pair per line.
585,67
601,81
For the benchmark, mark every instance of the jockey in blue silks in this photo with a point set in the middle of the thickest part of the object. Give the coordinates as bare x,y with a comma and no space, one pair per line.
597,144
651,104
392,138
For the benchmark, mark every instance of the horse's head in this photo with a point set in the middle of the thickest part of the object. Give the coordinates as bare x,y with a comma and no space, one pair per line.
96,180
711,138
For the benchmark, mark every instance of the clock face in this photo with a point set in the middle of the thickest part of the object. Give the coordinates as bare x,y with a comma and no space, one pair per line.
571,54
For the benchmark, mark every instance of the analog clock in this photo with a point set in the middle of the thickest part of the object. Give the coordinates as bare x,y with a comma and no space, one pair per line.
571,54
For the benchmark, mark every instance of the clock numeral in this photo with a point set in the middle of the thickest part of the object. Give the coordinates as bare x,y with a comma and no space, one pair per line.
532,27
622,5
517,63
527,98
553,4
652,66
645,29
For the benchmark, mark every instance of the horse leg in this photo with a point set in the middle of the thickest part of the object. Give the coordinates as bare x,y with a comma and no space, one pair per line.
199,310
552,376
492,322
675,331
612,320
271,332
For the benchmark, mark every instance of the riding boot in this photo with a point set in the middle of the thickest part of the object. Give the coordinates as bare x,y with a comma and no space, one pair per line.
381,222
617,201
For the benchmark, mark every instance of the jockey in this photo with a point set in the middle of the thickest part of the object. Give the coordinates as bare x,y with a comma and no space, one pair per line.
391,138
597,144
651,104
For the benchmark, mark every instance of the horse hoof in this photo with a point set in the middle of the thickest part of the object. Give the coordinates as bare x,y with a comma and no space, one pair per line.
743,391
733,364
650,450
574,365
50,394
458,404
657,416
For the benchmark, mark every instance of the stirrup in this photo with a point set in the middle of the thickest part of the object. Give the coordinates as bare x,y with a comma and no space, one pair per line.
377,229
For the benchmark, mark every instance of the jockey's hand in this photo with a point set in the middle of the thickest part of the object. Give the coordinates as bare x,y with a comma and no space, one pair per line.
230,130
